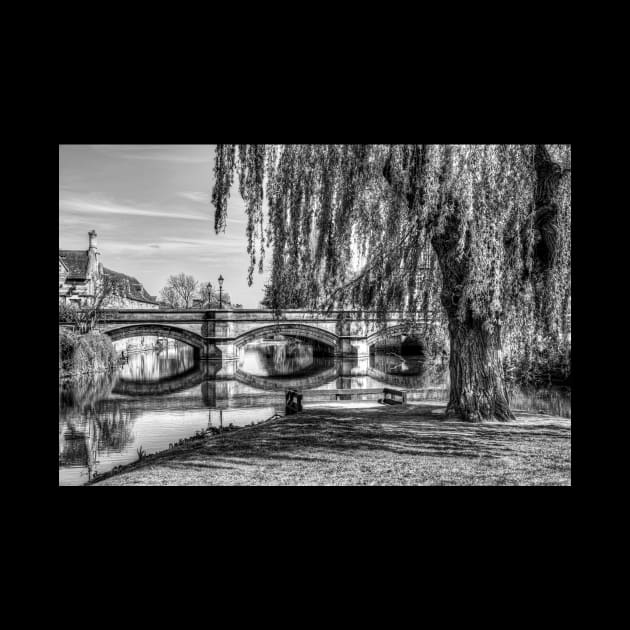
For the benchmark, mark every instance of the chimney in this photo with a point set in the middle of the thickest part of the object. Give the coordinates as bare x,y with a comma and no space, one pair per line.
94,256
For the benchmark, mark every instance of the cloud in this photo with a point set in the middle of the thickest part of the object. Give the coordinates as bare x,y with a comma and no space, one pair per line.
72,221
196,196
193,154
129,248
109,207
206,244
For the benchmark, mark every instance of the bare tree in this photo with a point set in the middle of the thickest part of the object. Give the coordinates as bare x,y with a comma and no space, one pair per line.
179,291
169,297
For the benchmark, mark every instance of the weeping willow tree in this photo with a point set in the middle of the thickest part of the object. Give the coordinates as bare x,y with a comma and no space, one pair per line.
474,236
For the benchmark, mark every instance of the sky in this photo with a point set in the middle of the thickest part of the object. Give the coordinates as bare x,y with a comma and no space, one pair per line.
150,206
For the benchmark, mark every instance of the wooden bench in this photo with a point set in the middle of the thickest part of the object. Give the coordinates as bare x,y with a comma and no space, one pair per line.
394,396
293,398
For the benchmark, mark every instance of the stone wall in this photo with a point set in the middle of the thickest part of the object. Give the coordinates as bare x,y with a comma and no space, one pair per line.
79,291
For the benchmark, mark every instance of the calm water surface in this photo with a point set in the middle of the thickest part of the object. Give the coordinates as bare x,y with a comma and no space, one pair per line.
162,396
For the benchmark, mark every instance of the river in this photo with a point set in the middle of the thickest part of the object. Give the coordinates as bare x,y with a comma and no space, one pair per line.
162,396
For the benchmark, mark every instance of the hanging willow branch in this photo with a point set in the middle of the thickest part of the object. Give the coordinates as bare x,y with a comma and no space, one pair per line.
361,226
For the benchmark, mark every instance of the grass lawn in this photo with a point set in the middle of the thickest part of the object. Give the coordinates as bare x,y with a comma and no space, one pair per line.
367,444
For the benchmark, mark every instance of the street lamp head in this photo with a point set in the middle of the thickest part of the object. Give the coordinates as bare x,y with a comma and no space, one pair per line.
220,281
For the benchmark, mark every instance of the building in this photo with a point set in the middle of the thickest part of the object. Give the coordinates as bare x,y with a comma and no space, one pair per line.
81,276
79,273
132,295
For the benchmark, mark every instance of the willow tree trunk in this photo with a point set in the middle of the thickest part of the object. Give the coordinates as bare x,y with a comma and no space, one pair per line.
478,390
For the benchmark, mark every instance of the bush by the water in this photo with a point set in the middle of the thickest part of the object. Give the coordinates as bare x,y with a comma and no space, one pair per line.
79,354
540,367
83,393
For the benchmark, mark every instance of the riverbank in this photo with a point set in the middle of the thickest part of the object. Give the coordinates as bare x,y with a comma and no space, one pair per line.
366,444
89,353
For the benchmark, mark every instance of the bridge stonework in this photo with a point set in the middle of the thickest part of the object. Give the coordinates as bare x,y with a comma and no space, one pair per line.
219,334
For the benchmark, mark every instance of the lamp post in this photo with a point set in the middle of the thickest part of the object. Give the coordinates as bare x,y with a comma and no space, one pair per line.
209,294
220,291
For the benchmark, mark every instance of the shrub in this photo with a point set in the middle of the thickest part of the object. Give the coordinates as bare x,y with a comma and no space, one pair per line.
539,366
67,343
85,353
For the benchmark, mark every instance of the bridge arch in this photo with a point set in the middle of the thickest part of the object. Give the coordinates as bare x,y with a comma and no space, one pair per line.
301,331
393,331
159,330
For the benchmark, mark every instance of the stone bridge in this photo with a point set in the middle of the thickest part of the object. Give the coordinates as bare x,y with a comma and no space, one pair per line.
220,335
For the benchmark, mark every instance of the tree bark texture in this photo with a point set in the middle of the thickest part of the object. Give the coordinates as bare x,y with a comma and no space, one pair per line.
478,390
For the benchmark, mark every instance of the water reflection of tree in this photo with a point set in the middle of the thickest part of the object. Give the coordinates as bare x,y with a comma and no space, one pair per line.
115,426
90,423
407,361
158,364
390,363
83,393
109,425
423,373
291,356
290,359
74,448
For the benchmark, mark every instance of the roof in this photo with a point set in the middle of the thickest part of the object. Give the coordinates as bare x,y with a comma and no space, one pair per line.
76,261
133,289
